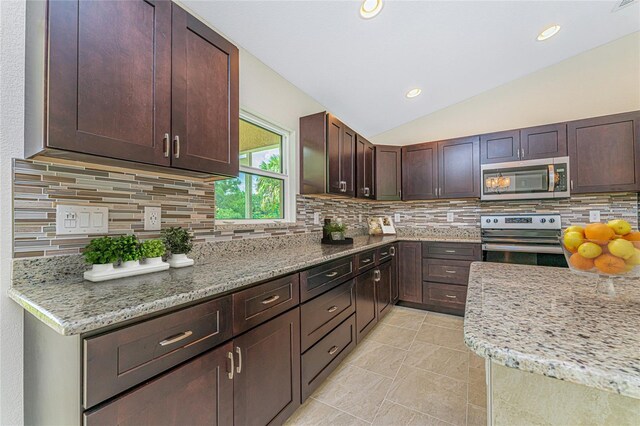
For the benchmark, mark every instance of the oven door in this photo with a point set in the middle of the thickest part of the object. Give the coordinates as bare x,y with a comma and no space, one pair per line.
540,255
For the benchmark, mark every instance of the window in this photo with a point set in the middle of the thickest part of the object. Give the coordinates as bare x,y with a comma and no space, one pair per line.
262,190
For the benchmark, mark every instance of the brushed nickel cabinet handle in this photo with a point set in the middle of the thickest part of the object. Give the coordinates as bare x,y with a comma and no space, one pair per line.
572,184
239,367
331,274
450,296
367,260
392,251
270,299
332,309
376,275
176,146
333,350
449,251
176,338
233,367
450,272
165,145
386,253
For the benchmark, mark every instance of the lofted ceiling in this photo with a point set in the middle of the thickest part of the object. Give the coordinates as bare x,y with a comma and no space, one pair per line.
361,69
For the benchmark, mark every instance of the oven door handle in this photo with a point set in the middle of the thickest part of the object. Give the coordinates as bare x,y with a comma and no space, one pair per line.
552,178
522,248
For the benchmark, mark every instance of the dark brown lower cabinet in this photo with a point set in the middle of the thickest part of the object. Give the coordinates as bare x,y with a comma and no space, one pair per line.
384,293
366,311
410,271
198,392
267,371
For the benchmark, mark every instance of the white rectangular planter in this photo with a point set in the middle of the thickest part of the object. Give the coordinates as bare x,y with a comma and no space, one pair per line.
128,269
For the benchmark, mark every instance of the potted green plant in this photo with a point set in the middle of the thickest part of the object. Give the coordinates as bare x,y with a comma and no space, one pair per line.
179,243
152,251
128,249
335,230
101,253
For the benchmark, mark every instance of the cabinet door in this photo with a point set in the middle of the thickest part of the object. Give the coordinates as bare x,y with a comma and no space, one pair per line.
388,172
335,138
366,311
384,297
544,141
420,171
199,392
500,147
365,166
109,78
459,168
205,111
267,379
604,153
394,277
348,161
410,271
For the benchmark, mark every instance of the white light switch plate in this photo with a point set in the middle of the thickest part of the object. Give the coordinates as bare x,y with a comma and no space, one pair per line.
152,216
396,217
72,220
316,218
449,216
594,216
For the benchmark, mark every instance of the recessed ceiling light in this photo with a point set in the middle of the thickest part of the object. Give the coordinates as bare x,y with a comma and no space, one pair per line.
370,8
548,32
413,93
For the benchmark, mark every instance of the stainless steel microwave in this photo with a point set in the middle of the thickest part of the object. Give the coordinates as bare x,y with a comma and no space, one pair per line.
522,180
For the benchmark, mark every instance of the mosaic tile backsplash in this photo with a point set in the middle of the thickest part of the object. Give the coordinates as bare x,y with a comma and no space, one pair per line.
40,186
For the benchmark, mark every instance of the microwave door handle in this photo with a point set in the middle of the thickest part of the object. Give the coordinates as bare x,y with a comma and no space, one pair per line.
552,178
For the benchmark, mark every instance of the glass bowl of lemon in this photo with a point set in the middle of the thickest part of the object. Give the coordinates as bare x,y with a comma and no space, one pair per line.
609,249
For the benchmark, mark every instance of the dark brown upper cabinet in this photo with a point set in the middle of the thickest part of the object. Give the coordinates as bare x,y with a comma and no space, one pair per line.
420,171
604,153
365,168
500,147
445,169
388,172
327,156
140,81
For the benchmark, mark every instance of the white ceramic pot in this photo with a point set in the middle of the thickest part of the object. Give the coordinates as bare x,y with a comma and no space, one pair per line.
153,260
131,264
179,260
101,268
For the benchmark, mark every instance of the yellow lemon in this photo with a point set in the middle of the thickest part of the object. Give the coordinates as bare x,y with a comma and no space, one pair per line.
572,240
619,226
590,250
621,248
634,259
575,228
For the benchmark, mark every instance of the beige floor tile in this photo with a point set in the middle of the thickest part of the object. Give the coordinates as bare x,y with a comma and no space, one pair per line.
438,359
442,336
377,357
476,416
444,320
477,387
357,391
393,336
476,361
404,318
438,396
391,414
315,412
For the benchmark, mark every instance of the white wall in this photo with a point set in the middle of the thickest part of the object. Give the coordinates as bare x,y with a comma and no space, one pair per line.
12,76
601,81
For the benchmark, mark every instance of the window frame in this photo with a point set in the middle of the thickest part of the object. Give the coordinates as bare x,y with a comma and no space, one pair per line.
288,170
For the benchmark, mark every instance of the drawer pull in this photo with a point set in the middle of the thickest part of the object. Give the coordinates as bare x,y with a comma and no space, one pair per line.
392,250
450,296
331,274
386,253
333,350
270,299
230,373
367,260
332,309
239,352
450,272
175,338
450,251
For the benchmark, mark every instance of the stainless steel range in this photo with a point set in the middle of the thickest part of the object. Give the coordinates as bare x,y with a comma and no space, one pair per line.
530,239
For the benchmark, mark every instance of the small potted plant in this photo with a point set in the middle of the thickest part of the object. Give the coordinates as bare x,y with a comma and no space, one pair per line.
128,249
179,243
101,253
152,251
335,231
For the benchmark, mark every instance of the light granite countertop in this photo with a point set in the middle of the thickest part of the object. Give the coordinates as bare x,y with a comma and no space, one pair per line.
77,306
554,322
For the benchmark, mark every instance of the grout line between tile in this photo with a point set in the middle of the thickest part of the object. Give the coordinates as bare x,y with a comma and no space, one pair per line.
341,410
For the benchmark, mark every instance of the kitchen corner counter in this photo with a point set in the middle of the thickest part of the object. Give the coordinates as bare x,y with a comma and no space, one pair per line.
78,306
552,322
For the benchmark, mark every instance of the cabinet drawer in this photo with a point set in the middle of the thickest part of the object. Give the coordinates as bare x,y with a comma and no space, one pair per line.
116,361
258,304
455,251
319,361
446,295
366,260
385,253
321,278
322,314
446,271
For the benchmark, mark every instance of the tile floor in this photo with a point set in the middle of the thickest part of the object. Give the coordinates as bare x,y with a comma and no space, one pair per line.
412,369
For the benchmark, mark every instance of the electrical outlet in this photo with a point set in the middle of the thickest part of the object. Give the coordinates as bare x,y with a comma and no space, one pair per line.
152,216
316,218
360,218
81,220
396,217
594,216
449,216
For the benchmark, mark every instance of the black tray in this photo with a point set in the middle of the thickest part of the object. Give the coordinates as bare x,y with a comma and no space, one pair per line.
329,241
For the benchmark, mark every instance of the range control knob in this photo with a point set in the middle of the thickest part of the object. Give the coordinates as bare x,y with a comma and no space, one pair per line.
495,220
552,220
488,220
543,220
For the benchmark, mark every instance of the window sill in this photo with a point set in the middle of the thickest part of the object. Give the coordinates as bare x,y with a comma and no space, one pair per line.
252,224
